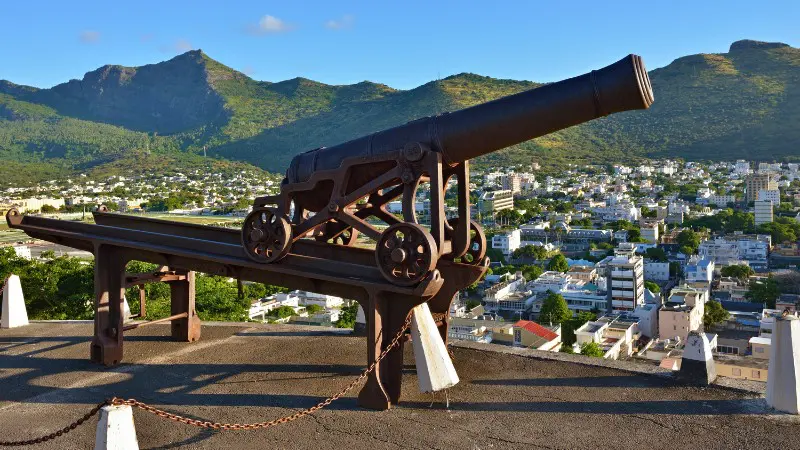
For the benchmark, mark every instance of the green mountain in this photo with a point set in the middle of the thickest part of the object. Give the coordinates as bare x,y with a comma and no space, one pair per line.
744,103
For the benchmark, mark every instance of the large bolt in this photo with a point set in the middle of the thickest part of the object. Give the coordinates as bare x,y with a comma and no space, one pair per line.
407,177
398,255
333,207
413,151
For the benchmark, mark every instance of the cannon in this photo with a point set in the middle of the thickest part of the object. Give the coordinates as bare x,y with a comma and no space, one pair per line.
332,194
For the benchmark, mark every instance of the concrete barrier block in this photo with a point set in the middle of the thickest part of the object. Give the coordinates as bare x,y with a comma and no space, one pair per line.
783,378
115,429
697,364
360,327
126,310
14,312
435,369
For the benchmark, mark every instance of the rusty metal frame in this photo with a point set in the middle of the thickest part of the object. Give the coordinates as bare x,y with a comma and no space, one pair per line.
180,249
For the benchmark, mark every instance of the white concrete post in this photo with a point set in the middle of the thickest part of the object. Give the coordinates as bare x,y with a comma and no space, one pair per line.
783,378
435,369
360,326
115,429
697,364
126,310
14,312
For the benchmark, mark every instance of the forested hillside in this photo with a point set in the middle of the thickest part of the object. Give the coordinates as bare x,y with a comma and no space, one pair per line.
744,103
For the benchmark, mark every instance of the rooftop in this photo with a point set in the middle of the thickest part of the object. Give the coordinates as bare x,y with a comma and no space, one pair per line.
253,372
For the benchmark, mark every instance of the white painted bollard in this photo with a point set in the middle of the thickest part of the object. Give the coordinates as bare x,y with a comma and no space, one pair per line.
126,310
115,429
360,326
435,369
697,364
783,378
14,312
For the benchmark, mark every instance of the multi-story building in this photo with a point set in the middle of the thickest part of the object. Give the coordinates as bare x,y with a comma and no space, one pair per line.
699,270
721,200
763,211
511,182
773,196
580,295
625,282
742,167
614,334
506,242
757,182
656,271
682,313
492,201
649,233
733,249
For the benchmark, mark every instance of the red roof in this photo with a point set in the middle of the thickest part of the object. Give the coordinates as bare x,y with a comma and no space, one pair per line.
536,329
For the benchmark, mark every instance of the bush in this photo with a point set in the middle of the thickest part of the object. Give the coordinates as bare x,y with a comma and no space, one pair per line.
592,349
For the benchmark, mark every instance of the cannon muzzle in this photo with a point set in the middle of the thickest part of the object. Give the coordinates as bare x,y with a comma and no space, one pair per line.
491,126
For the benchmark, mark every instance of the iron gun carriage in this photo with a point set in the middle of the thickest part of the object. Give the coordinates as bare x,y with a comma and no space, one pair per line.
330,193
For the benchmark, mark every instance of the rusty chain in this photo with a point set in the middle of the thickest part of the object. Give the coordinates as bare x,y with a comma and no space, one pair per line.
254,426
58,433
216,425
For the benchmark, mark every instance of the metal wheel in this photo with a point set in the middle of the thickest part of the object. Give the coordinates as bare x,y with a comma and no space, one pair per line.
337,233
406,253
266,235
476,250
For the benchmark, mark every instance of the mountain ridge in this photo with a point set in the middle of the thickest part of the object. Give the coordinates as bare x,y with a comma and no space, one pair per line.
708,106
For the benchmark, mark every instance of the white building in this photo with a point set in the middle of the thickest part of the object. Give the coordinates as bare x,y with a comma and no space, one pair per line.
763,211
649,233
773,195
699,270
614,335
656,271
732,249
507,242
625,278
721,200
306,298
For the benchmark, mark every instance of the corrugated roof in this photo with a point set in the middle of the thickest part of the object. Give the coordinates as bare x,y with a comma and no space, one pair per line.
536,329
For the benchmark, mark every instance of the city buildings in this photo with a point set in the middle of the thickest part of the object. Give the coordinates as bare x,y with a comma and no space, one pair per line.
507,242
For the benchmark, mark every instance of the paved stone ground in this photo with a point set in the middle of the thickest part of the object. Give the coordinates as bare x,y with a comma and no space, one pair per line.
249,373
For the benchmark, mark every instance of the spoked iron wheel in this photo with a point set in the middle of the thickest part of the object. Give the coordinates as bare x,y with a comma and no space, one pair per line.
337,233
266,235
476,251
406,253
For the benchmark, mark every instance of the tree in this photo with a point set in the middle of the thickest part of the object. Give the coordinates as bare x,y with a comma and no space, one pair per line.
313,309
558,263
740,271
656,254
531,272
472,304
47,209
347,316
495,254
689,241
714,314
592,349
763,292
554,309
652,286
282,312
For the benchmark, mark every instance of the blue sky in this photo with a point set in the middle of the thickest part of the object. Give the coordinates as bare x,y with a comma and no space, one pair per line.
403,44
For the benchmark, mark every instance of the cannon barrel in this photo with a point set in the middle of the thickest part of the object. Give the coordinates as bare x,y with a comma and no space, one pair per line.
491,126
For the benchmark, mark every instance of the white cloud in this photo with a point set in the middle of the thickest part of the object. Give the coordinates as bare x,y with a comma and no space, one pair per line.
344,22
182,45
89,36
269,25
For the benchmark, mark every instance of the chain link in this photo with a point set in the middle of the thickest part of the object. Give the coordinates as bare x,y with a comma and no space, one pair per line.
254,426
58,433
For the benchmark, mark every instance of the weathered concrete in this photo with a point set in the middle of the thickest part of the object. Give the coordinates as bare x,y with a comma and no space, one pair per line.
697,364
115,429
248,373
